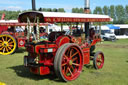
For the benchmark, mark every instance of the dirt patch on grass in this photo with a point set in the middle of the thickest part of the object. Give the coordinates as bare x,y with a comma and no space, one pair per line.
112,46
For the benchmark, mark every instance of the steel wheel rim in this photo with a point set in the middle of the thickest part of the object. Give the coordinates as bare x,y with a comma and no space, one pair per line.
7,44
100,61
71,64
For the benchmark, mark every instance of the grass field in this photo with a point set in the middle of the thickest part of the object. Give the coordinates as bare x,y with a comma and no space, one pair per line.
114,72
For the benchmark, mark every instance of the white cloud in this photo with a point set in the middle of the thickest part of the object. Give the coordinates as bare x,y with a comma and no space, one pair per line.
11,8
15,8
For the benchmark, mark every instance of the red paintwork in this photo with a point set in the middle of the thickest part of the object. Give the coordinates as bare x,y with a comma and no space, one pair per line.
62,40
45,48
3,28
21,42
86,52
40,70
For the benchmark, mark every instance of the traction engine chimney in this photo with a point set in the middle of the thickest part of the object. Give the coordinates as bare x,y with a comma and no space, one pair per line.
33,5
87,11
87,7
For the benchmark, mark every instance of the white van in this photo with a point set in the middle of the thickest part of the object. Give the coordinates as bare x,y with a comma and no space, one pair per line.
106,33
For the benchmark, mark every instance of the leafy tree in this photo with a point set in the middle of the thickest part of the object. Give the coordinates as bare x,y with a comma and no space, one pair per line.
55,10
61,10
120,14
112,13
105,10
126,9
81,10
49,10
126,14
44,9
98,10
75,10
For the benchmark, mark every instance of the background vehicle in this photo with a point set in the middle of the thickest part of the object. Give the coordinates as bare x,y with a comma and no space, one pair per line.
64,53
108,35
12,36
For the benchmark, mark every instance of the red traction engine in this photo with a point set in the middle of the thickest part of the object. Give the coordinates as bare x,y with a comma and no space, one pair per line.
64,53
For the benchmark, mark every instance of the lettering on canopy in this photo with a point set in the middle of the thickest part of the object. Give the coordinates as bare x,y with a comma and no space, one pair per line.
64,19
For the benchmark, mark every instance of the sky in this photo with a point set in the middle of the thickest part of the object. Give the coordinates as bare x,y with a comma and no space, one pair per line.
66,4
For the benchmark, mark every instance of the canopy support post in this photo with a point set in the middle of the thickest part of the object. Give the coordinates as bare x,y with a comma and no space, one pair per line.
46,28
100,28
28,29
61,26
87,30
70,28
37,30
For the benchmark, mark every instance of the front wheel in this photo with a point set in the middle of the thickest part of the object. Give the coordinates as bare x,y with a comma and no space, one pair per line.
68,62
98,60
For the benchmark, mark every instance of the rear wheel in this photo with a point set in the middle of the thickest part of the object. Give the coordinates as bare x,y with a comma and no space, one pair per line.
98,60
68,62
7,44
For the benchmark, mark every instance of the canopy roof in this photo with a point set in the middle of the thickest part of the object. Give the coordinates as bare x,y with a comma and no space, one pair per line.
52,17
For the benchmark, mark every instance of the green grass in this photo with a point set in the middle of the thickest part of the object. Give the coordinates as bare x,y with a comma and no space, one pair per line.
114,72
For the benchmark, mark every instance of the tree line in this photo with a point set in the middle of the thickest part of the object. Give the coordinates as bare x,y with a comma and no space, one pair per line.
119,13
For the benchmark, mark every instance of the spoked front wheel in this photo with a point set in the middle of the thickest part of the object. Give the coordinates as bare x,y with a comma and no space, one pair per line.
68,62
7,44
98,60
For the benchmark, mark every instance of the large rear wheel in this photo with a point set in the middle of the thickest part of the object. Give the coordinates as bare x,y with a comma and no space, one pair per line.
7,44
68,62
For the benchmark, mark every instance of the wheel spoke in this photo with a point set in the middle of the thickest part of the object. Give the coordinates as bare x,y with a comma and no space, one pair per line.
72,69
74,59
70,72
63,64
98,60
74,54
11,45
71,52
6,49
68,51
6,38
9,40
66,57
67,71
3,38
75,64
3,50
9,48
